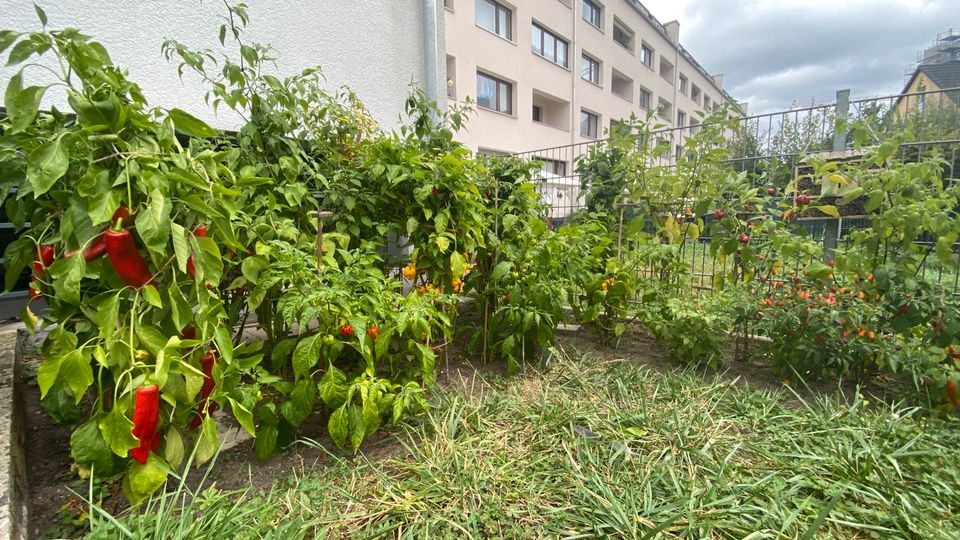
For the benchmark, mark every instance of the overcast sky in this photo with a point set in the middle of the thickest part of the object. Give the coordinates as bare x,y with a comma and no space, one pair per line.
777,52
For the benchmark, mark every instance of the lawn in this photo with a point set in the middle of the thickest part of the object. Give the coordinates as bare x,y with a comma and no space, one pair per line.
586,446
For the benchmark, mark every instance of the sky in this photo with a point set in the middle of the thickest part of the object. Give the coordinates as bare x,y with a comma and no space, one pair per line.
776,53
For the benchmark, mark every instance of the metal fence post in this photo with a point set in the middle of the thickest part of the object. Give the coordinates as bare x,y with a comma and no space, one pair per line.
831,230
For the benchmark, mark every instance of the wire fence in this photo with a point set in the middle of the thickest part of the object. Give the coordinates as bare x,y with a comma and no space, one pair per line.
761,143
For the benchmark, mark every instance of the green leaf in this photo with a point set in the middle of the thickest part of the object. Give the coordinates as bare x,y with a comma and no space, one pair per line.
301,402
267,432
100,207
179,308
428,360
117,432
153,223
443,243
306,355
152,296
90,449
854,193
207,442
76,372
47,373
23,50
40,14
339,426
412,225
357,428
22,103
45,165
371,415
266,442
151,338
142,480
333,387
173,448
7,37
250,267
180,247
221,336
458,265
500,270
243,416
191,125
29,319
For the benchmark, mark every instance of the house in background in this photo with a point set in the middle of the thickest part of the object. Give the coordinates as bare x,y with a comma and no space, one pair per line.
937,69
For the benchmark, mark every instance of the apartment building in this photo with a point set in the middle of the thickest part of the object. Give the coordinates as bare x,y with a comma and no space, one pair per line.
546,73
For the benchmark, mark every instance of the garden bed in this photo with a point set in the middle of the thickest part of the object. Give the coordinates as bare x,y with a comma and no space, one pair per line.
599,446
58,508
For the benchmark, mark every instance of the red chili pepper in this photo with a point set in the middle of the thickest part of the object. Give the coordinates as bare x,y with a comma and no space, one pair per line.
952,393
200,231
346,330
204,408
126,260
189,332
122,213
146,413
43,259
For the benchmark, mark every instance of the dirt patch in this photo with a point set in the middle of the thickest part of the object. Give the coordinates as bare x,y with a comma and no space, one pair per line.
751,369
47,452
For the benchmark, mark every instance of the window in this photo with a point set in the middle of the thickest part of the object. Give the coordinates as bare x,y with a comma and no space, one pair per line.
537,113
549,45
495,18
681,118
494,94
695,94
623,35
645,98
694,126
683,85
451,77
706,103
590,69
646,56
553,166
592,14
588,124
678,151
448,4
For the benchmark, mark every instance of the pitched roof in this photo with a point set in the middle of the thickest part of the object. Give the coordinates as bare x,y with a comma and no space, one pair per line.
946,75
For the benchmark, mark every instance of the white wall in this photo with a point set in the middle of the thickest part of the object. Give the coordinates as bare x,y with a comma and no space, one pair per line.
376,47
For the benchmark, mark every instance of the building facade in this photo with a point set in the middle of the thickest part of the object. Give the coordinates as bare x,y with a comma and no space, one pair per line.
375,48
545,73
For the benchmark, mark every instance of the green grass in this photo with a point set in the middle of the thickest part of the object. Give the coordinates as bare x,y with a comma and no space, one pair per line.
591,448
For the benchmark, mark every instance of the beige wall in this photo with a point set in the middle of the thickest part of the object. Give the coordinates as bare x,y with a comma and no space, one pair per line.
470,47
918,103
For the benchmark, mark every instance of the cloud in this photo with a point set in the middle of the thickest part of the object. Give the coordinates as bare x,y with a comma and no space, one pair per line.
774,53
